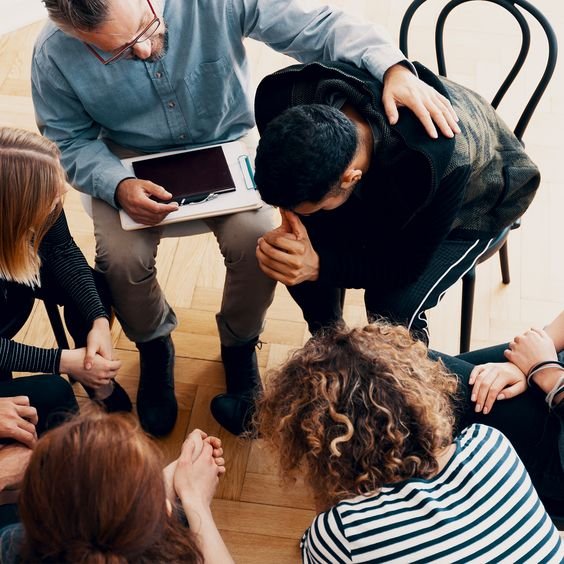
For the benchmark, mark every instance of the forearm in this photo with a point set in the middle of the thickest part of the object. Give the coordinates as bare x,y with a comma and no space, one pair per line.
202,524
555,331
90,165
17,357
548,378
321,33
92,168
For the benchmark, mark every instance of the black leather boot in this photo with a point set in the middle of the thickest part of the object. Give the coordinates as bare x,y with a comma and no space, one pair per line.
234,410
156,403
118,400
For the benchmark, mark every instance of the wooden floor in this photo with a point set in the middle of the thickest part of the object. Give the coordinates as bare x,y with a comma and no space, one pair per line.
262,522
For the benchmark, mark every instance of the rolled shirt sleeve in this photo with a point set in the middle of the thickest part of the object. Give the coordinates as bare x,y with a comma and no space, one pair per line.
320,33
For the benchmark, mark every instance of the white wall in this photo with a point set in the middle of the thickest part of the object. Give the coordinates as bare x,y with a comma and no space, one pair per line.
17,13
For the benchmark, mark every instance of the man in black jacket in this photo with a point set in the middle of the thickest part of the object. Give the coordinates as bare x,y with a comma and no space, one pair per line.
369,205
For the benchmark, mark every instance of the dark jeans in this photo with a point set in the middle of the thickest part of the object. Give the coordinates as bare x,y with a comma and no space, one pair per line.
536,433
54,400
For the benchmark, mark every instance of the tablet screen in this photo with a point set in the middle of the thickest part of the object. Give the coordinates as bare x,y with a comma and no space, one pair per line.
190,176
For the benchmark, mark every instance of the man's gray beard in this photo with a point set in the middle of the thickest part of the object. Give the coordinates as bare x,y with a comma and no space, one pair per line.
157,56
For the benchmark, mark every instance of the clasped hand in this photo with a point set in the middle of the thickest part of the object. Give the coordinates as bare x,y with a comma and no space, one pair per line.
530,348
99,374
93,365
286,254
194,476
495,381
504,380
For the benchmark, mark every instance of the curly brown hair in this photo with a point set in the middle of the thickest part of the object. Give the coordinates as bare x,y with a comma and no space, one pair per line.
357,409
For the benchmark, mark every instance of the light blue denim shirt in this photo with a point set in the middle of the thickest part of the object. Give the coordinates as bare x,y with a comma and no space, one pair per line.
199,92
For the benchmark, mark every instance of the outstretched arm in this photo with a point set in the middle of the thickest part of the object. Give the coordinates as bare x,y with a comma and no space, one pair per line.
327,34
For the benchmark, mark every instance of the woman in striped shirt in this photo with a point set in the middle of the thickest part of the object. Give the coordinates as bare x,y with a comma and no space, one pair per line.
39,258
369,418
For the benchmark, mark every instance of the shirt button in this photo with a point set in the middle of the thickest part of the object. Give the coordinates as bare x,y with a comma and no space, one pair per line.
158,74
182,136
171,104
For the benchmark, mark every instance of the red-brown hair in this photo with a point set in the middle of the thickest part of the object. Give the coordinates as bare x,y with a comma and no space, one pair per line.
94,493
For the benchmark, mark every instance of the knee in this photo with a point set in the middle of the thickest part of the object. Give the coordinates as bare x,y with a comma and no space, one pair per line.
56,391
239,236
59,405
130,256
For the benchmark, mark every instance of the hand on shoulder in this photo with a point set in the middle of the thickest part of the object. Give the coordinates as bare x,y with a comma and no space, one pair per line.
403,88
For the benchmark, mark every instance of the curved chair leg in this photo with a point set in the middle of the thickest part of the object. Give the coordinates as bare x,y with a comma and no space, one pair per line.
468,285
58,328
343,296
57,324
504,263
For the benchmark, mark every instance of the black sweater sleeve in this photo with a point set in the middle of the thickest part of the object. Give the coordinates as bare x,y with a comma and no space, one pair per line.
399,258
25,358
66,263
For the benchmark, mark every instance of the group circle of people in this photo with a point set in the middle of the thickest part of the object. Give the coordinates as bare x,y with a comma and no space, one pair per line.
411,455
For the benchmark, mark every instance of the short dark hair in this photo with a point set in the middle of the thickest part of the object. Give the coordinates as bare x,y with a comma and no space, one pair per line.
82,15
303,153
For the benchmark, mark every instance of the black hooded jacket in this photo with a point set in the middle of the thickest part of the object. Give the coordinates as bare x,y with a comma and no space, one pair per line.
419,190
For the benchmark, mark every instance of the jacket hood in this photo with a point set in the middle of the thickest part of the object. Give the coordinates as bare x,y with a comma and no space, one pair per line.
313,82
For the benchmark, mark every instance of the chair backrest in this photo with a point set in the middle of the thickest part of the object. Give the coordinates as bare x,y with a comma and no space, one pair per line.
517,8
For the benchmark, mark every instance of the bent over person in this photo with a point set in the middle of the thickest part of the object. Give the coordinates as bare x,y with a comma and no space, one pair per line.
122,77
374,206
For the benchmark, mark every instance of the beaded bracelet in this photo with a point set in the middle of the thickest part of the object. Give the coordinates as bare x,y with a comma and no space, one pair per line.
542,366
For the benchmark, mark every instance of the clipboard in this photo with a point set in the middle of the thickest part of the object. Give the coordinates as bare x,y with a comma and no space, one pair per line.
244,197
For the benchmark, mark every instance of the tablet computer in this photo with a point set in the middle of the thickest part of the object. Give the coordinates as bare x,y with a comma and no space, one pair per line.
191,176
244,197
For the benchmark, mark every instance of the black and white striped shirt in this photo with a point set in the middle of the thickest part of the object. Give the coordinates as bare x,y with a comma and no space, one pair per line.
481,507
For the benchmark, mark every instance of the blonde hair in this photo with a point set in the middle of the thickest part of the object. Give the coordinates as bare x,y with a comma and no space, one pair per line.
31,180
357,409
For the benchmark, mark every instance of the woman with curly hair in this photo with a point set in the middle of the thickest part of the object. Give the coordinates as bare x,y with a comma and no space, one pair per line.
369,418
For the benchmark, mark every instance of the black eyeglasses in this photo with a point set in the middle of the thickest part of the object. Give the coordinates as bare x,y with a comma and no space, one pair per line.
148,32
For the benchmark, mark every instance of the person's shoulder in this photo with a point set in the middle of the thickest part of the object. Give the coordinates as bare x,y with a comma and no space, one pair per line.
10,543
51,45
484,434
327,525
49,34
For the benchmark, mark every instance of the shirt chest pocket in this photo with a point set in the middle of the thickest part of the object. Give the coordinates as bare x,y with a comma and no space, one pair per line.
214,88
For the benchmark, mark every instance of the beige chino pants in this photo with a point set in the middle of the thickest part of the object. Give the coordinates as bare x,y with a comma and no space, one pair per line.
127,259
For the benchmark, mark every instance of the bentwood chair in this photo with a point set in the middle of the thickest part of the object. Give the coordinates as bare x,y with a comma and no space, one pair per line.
524,13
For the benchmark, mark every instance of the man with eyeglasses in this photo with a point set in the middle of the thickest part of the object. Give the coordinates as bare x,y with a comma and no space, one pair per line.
124,77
